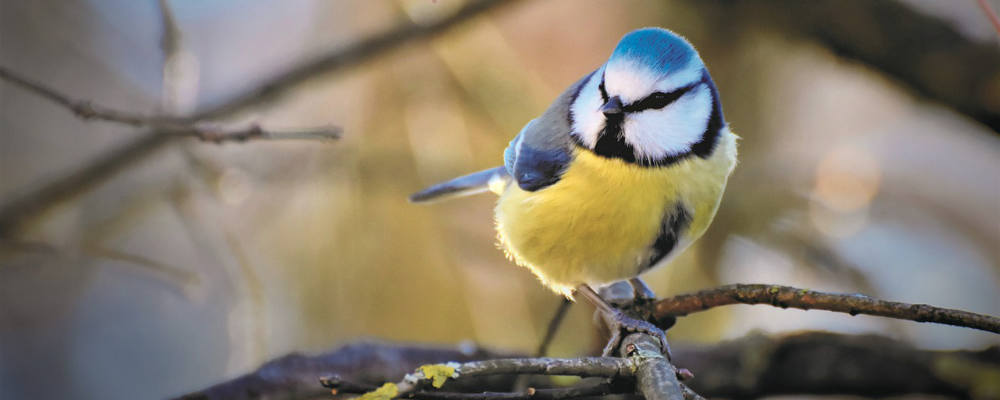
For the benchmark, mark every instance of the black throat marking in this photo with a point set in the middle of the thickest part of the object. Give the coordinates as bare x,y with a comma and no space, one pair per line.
611,141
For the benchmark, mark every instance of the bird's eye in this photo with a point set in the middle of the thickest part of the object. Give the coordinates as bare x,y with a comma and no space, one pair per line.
658,100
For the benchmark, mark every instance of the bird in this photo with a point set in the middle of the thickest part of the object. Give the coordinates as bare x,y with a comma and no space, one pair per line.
623,171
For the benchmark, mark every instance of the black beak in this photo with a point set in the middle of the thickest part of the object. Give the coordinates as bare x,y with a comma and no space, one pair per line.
612,107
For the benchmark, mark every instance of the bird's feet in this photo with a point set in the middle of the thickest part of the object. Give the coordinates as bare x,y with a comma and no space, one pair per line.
643,303
621,325
641,290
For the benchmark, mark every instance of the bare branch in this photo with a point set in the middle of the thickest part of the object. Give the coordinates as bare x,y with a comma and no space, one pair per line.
656,378
828,363
553,326
990,14
749,367
597,388
594,387
15,214
608,367
169,125
601,387
924,53
787,296
368,362
348,56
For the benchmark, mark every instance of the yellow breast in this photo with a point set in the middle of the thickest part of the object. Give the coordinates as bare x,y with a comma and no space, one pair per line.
597,224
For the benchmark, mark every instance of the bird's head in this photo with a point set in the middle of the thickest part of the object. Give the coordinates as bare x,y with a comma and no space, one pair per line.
651,103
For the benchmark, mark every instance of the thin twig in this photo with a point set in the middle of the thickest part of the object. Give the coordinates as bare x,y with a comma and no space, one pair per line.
177,126
918,50
15,213
29,206
521,383
553,327
348,56
990,14
787,296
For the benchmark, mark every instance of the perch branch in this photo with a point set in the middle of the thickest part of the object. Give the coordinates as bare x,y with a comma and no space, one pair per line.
656,377
34,203
608,367
749,367
641,357
171,125
925,53
786,296
584,389
598,387
364,362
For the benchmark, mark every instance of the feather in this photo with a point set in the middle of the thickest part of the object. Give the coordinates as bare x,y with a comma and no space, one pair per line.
463,186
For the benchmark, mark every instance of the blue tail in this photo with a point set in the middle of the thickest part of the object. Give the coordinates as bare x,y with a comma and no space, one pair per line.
462,186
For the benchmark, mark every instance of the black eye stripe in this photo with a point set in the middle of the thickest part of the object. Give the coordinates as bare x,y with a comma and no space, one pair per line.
659,100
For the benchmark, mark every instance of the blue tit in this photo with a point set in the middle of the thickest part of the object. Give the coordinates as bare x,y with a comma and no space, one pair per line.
621,173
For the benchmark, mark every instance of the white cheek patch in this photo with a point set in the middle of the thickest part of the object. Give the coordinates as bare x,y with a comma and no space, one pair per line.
671,130
587,119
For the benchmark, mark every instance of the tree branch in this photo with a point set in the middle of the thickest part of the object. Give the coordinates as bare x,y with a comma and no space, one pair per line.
348,56
787,296
749,367
920,51
594,387
169,125
656,377
990,15
15,214
364,362
436,375
825,363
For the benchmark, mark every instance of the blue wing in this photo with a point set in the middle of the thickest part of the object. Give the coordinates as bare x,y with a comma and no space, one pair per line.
535,159
536,164
542,151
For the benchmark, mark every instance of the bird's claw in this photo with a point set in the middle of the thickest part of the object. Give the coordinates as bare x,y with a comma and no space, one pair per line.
642,291
619,323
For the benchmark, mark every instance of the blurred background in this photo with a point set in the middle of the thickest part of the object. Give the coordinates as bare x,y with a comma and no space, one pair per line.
184,263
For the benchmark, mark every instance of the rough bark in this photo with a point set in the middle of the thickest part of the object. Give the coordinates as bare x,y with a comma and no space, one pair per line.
753,366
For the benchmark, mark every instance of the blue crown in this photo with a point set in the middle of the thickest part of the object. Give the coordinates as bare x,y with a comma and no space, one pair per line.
657,48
